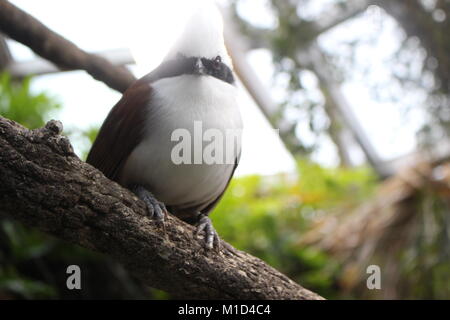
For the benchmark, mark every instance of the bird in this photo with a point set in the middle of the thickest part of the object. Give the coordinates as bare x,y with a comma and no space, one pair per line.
195,82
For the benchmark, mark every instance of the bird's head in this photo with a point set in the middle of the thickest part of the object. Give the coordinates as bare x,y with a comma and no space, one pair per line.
201,46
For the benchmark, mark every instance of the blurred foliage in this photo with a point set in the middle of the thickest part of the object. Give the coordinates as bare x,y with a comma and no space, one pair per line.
419,65
19,103
417,266
267,217
426,261
412,249
270,217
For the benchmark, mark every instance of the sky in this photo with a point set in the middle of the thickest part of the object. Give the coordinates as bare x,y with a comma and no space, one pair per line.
149,27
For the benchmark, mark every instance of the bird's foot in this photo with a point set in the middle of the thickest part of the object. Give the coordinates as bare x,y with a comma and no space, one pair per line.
212,239
156,209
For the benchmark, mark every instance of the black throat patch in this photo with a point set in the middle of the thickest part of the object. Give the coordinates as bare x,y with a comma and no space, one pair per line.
186,65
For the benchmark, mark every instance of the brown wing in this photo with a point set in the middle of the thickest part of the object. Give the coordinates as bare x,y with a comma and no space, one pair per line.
122,131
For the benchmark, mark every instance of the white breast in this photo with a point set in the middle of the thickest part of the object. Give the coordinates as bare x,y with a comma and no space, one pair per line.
177,103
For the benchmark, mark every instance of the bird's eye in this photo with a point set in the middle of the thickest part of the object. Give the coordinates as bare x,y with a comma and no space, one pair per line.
217,62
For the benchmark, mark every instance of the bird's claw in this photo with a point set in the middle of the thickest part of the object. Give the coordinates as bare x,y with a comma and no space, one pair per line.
156,209
212,239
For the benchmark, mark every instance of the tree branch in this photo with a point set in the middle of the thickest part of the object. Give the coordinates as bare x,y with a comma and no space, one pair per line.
27,30
46,186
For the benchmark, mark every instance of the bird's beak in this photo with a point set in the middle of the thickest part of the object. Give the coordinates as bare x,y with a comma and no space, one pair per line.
199,68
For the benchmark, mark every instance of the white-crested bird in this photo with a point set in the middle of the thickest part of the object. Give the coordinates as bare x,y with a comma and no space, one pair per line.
134,147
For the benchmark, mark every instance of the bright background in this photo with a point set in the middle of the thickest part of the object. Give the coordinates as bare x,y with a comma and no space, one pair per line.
149,27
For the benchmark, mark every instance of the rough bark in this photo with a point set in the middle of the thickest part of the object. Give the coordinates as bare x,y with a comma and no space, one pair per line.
27,30
46,186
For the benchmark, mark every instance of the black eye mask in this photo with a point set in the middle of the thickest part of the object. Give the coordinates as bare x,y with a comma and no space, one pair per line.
218,69
185,65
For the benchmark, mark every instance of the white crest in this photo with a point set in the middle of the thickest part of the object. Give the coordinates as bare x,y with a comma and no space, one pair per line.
202,35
